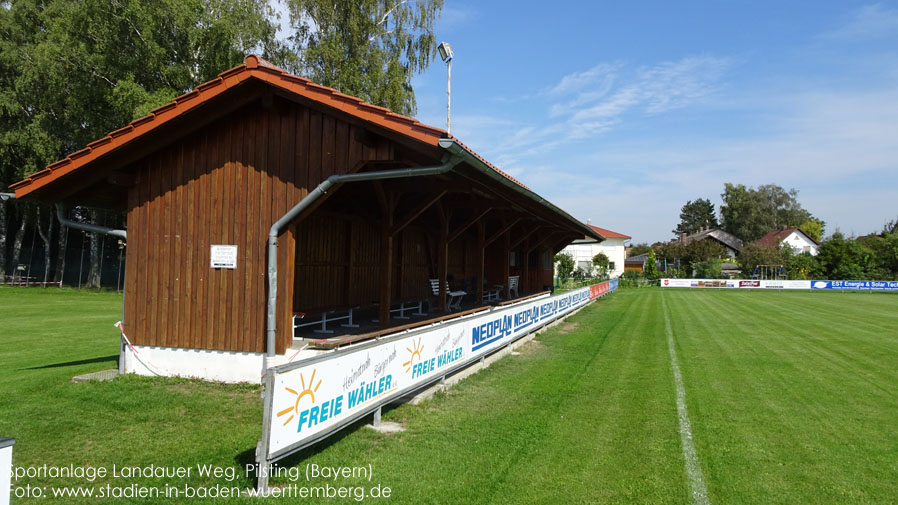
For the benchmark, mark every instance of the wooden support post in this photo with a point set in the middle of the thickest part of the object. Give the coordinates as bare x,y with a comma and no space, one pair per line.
481,251
388,205
525,270
443,257
350,267
506,253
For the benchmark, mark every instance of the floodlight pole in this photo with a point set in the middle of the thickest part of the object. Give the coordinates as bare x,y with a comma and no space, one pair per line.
445,51
449,96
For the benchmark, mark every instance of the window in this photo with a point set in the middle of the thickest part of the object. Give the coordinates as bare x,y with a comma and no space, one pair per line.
511,259
610,266
584,264
547,260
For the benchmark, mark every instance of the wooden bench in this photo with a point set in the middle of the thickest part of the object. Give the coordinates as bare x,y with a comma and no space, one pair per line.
492,294
325,318
333,343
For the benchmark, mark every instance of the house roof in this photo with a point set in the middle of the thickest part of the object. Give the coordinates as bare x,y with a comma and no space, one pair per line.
253,67
608,233
639,258
774,238
725,238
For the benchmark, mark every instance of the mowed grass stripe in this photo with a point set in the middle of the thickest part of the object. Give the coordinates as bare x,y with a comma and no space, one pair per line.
779,414
693,465
841,331
587,415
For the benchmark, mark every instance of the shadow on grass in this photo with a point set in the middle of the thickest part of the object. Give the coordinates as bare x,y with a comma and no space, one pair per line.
101,359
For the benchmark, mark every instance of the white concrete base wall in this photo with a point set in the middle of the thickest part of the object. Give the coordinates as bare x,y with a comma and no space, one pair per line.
210,365
222,366
5,474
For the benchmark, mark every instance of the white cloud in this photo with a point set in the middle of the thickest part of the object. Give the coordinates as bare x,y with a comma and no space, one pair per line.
869,22
838,149
583,105
575,82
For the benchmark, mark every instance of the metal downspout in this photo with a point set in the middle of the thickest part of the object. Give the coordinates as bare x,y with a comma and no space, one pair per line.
321,190
93,228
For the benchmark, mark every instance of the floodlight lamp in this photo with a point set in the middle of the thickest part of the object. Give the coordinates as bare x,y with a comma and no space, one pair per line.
445,51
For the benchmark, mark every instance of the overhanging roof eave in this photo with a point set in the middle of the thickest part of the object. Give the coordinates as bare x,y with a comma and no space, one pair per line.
474,161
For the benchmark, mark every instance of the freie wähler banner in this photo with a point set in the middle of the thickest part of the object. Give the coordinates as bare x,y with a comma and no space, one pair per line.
780,284
312,397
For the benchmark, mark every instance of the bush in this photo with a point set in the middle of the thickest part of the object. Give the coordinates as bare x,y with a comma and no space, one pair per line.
565,266
651,267
708,269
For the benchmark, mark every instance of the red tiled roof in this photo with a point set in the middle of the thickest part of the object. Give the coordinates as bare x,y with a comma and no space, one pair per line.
774,238
608,233
253,67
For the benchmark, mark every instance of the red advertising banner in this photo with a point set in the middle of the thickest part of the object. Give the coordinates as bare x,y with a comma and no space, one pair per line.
597,290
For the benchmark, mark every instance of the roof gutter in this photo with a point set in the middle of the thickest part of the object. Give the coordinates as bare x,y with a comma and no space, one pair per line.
92,228
449,162
459,150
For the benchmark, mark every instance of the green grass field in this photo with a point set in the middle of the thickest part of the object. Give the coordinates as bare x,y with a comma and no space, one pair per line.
792,397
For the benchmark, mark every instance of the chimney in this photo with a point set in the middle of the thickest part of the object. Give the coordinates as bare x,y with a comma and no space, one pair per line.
682,237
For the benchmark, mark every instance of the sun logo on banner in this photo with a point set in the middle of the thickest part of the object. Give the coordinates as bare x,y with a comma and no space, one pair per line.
306,390
415,350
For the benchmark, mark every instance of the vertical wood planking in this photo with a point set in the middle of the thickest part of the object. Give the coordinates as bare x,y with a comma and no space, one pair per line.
153,219
131,254
185,332
202,247
177,232
238,217
213,224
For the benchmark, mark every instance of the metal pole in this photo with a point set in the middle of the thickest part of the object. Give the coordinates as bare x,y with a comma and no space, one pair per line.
118,286
30,254
102,252
81,262
449,98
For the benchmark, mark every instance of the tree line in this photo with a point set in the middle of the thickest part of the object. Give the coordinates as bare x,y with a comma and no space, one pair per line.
73,70
750,213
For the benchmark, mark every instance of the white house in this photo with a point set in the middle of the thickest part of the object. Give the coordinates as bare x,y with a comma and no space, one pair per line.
583,250
798,240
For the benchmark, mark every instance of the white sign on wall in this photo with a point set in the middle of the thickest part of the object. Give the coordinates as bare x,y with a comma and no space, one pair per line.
223,256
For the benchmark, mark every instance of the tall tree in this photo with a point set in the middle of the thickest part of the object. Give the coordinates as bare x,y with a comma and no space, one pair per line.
61,246
71,71
694,215
3,228
366,48
814,228
45,238
750,213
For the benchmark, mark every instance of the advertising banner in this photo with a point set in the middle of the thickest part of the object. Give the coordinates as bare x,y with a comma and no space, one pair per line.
308,399
856,285
783,284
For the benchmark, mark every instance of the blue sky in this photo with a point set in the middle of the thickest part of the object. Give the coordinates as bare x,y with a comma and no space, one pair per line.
620,112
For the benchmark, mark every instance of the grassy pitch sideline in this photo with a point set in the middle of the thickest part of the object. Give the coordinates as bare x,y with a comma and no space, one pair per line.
793,398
